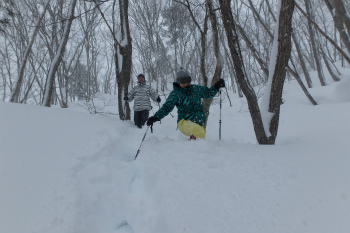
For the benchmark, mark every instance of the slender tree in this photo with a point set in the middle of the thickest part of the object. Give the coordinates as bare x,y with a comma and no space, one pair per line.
218,56
278,62
236,55
19,82
339,17
314,44
123,59
337,47
49,87
302,61
342,13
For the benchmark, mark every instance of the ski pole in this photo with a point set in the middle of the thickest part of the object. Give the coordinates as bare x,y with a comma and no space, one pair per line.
124,118
220,116
160,122
138,151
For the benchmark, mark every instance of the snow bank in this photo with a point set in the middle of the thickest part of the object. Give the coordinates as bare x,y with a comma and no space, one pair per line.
65,171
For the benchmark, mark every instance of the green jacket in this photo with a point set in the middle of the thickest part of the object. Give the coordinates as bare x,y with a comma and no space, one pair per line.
188,102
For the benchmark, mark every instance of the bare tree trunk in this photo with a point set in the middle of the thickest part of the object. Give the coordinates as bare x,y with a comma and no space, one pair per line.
340,10
314,46
283,55
218,69
257,15
339,49
329,66
58,57
283,45
301,84
233,44
302,62
338,21
123,56
253,51
16,91
270,10
232,71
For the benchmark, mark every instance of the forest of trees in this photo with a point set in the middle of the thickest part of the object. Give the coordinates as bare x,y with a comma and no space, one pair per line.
56,52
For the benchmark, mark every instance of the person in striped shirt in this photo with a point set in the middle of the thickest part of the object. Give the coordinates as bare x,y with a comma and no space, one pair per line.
142,93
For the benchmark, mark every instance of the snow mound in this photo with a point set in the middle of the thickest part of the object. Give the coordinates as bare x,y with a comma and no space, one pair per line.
73,172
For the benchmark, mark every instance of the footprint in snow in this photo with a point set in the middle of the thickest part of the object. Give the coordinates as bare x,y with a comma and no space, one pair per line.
124,227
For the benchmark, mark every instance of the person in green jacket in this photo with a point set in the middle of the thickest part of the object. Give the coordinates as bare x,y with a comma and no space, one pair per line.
187,98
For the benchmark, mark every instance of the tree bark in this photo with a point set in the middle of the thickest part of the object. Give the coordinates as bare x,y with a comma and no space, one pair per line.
253,51
283,55
233,44
218,69
340,11
302,62
301,84
338,22
314,46
257,15
340,50
58,57
123,59
329,66
16,91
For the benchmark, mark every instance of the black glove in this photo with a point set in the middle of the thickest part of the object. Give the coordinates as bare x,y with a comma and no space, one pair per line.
126,98
158,99
151,120
219,84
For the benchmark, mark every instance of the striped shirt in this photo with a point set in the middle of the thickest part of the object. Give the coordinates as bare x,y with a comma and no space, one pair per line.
142,94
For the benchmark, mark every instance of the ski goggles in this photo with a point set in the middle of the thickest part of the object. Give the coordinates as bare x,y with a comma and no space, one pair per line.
185,80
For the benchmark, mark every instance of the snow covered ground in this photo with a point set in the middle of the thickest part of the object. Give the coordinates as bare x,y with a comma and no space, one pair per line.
64,171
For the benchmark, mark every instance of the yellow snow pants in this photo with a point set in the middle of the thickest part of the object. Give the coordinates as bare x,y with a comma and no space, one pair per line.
190,128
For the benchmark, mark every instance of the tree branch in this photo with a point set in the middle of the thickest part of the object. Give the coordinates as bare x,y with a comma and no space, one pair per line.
109,27
324,34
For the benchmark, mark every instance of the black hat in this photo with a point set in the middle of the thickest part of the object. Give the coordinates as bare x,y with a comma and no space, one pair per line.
184,75
140,75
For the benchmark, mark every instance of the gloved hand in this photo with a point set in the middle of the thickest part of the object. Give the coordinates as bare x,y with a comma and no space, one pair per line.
219,84
126,98
151,120
158,99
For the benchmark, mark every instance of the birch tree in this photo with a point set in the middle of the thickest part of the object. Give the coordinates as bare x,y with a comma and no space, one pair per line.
314,44
219,60
265,121
123,59
340,16
18,84
328,38
89,23
301,59
342,13
49,87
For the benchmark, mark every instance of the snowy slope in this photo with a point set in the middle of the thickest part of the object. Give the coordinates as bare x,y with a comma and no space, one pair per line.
66,171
